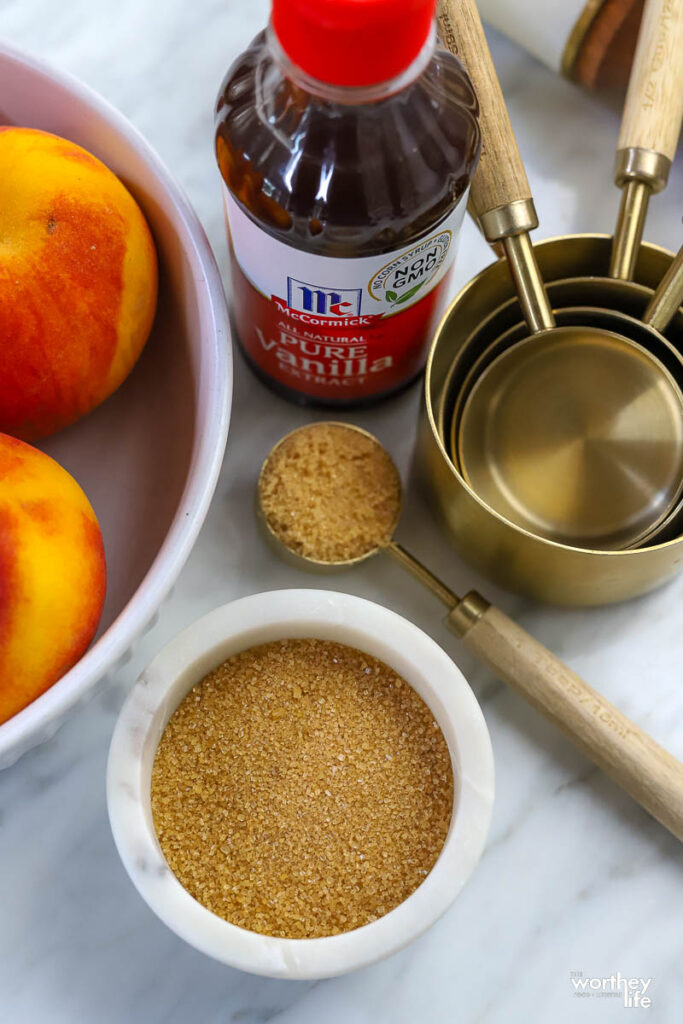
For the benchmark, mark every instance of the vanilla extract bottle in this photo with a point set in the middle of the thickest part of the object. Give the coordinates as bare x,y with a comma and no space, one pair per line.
346,140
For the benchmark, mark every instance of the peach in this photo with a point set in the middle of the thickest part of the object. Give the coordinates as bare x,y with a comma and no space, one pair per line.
52,573
78,282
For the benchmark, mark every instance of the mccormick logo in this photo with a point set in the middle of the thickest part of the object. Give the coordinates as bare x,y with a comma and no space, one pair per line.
312,298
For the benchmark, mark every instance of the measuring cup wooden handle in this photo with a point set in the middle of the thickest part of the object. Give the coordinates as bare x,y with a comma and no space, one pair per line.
500,178
654,100
647,772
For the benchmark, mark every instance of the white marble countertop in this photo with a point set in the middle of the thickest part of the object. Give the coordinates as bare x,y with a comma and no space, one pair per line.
575,878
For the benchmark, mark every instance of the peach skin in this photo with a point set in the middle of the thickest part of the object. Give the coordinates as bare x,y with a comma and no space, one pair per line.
78,282
52,573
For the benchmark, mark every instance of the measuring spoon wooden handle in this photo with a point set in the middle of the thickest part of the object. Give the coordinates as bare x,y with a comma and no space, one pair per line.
647,772
668,297
500,178
654,99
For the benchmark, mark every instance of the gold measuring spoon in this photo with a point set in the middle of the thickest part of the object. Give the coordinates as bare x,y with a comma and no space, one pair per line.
650,126
612,521
576,401
647,772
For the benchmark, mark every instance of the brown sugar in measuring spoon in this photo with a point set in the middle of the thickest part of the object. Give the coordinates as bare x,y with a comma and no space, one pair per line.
307,493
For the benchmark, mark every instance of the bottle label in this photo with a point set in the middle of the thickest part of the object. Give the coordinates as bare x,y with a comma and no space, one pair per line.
338,328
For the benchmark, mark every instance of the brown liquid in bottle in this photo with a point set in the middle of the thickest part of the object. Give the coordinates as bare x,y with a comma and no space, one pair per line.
344,181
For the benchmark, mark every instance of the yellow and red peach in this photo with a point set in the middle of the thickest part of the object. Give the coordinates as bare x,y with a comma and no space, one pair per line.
52,574
78,282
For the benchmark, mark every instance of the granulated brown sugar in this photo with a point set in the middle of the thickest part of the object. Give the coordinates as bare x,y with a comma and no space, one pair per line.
302,789
330,492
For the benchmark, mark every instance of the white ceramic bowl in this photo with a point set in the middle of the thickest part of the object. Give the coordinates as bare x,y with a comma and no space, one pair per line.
185,661
149,457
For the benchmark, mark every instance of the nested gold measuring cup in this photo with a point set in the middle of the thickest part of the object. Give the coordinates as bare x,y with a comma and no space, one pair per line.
497,467
515,557
565,409
647,772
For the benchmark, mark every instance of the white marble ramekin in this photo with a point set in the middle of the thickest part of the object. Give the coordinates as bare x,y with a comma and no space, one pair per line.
185,661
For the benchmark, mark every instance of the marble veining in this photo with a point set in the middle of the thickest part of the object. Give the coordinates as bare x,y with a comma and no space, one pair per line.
575,876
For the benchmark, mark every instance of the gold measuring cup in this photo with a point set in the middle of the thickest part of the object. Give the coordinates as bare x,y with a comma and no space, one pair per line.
565,409
574,300
629,756
644,315
514,557
498,469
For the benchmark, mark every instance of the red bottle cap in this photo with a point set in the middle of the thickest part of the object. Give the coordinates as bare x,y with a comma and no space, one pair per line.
352,42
